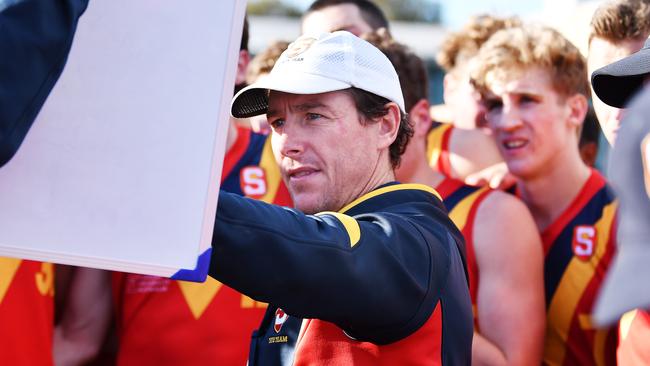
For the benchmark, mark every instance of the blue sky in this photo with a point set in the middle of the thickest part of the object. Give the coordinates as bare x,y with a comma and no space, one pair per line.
456,12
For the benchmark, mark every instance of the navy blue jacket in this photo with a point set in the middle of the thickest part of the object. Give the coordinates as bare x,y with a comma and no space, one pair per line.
376,271
35,38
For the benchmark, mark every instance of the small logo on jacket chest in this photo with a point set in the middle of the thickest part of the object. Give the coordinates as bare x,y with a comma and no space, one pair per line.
280,318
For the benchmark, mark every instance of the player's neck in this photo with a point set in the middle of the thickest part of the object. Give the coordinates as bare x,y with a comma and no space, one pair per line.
550,194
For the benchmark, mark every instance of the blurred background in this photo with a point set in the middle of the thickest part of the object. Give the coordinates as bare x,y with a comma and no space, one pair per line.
422,25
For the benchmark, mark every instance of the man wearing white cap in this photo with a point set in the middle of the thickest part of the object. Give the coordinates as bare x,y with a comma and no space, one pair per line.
375,267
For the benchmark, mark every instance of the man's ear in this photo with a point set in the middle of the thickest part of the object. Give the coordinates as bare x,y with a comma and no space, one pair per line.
389,125
420,118
578,107
242,65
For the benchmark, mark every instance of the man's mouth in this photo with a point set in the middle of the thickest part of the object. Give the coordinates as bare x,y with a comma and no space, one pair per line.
514,143
301,173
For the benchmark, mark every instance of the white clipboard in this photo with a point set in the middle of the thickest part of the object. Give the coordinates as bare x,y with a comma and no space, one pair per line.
121,168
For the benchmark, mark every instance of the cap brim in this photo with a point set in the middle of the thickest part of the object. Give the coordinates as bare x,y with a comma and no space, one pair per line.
615,83
626,286
253,100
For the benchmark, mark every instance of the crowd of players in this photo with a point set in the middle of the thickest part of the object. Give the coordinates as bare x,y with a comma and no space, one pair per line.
509,157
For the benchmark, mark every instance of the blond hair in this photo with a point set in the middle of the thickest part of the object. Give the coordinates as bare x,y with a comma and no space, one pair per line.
461,46
263,62
621,20
517,49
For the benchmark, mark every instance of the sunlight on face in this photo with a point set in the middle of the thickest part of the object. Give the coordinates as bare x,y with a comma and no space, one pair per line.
529,120
326,156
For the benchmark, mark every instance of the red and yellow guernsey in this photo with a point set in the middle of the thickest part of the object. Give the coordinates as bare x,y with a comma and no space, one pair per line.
578,249
167,322
26,312
462,202
438,147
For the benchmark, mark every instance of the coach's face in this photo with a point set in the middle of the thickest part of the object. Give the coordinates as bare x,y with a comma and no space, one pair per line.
601,53
326,156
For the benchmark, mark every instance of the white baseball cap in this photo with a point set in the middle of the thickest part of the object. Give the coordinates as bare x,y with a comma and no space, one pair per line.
319,64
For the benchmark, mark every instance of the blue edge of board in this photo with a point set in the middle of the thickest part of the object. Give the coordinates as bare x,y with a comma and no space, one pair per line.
199,273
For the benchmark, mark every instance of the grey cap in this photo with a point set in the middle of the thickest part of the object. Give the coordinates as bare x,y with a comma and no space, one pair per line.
627,285
615,83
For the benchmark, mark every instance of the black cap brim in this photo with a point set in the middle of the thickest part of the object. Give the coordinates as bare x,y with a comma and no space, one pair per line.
617,82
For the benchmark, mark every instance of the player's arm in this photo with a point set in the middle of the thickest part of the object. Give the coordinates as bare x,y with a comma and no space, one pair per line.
511,310
371,275
35,37
85,318
471,151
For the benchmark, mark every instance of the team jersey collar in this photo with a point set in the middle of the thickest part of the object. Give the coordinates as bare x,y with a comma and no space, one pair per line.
388,188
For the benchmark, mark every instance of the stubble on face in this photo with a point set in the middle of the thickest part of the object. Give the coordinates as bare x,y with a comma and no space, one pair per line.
325,154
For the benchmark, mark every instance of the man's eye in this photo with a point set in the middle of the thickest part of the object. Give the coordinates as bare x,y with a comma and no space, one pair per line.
527,99
492,105
313,116
277,123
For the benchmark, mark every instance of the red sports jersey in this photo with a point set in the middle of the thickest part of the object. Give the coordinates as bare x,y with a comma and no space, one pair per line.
634,335
578,250
438,147
462,202
26,312
167,322
320,340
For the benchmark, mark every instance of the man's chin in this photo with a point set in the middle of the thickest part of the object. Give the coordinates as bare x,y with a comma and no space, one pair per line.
307,203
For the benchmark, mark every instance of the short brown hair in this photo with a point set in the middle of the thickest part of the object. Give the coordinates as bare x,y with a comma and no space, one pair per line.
370,12
620,20
461,46
371,106
410,68
263,62
520,48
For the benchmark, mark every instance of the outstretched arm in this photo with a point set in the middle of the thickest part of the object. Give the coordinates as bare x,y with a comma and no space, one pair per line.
35,38
373,275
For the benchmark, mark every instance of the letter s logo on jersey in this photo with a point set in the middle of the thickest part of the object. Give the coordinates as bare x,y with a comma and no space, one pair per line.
584,241
252,180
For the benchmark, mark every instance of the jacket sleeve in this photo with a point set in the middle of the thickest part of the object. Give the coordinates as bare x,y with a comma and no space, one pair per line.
35,38
377,276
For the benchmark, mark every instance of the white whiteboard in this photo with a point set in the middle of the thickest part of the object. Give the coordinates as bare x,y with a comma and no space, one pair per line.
121,168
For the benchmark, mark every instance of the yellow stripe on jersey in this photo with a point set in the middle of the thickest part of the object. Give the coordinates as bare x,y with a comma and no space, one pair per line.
391,188
434,143
460,212
8,269
574,281
272,170
351,225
